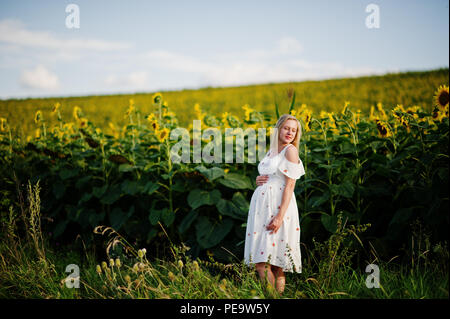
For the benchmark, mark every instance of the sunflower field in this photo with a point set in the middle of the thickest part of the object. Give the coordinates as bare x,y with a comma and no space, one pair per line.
385,168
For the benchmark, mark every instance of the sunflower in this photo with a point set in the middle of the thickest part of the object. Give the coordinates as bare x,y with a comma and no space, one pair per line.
357,116
157,98
131,108
163,134
56,107
383,129
441,97
372,113
38,116
198,112
302,108
323,114
77,113
398,113
332,121
2,124
224,119
151,117
248,110
306,117
381,110
83,122
412,110
347,103
154,125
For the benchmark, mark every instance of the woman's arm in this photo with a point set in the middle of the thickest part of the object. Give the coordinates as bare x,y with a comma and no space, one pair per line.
277,221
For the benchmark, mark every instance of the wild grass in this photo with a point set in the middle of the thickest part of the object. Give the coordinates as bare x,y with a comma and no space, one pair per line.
31,268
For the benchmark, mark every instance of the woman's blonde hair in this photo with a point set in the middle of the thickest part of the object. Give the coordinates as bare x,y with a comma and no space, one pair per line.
276,132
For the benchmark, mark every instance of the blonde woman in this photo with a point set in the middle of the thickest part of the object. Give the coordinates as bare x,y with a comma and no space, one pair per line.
273,229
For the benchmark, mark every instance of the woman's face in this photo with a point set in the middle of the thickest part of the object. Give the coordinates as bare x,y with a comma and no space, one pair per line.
288,131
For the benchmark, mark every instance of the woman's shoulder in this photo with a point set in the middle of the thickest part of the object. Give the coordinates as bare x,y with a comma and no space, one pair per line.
291,154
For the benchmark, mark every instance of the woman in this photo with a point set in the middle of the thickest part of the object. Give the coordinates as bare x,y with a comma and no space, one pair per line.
273,230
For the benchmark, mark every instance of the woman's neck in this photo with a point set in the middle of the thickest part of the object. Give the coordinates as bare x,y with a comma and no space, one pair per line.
281,146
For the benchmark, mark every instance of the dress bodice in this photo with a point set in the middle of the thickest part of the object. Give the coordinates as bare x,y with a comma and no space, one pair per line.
277,166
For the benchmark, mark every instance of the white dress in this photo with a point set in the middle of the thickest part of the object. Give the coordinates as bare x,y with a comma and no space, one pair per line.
282,248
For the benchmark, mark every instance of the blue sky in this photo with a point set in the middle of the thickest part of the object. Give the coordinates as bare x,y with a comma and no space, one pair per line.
146,46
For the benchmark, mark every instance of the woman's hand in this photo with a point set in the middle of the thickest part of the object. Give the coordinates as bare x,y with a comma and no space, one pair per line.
261,179
275,224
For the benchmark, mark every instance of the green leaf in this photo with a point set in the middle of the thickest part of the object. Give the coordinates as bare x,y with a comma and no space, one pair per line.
154,216
151,234
187,221
210,173
167,216
60,228
86,197
329,222
401,216
95,218
236,181
237,207
276,106
130,187
178,186
82,182
118,217
112,195
125,167
59,189
346,148
345,189
316,201
291,107
150,188
209,233
99,191
66,173
198,197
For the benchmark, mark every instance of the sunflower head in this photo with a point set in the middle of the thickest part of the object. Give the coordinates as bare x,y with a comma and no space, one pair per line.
77,113
163,134
56,107
131,107
441,97
383,129
2,124
157,98
154,125
83,122
344,109
151,117
38,116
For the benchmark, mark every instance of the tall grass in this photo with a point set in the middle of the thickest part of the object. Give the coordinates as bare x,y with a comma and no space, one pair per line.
30,268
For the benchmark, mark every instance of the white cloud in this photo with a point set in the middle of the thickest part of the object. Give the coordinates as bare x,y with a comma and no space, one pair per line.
176,61
14,32
280,63
136,80
39,78
289,45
